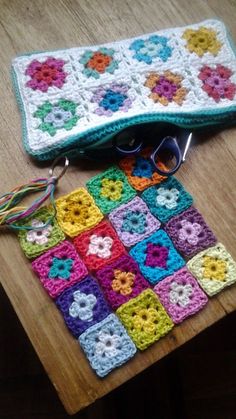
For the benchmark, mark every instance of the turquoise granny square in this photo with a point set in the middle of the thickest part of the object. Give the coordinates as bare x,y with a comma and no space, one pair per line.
167,199
157,257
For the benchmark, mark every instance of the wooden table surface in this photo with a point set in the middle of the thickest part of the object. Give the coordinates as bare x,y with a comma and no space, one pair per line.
209,174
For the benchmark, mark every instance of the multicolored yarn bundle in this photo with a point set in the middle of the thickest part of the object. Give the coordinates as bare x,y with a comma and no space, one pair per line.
124,281
80,97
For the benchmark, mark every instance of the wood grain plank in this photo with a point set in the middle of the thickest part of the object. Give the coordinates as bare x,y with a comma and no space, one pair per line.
209,174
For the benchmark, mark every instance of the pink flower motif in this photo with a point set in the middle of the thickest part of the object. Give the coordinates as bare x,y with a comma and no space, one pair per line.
46,74
189,232
165,88
216,82
156,255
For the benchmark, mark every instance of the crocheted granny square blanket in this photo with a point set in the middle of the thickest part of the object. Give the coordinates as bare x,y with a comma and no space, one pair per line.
73,98
116,261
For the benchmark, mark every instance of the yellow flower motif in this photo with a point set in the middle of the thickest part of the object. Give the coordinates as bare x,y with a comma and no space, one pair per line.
214,268
123,282
201,41
111,189
145,320
75,213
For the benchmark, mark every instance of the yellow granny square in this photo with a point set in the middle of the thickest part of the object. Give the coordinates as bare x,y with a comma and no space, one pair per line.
77,212
145,319
214,269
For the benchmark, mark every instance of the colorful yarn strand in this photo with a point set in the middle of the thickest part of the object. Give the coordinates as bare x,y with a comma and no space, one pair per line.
11,214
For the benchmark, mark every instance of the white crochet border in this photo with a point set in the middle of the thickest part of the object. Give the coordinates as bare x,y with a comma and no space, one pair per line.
79,88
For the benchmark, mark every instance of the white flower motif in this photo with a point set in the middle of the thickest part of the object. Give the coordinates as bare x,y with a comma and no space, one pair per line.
151,49
100,246
39,236
82,306
107,344
167,197
58,117
189,232
180,294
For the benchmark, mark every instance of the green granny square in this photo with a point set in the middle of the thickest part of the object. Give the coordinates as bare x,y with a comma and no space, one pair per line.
110,189
43,235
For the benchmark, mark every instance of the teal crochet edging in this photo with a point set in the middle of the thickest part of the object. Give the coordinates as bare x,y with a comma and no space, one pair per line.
94,137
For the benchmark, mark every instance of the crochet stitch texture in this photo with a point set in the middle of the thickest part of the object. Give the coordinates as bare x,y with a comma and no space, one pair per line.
99,246
167,199
157,257
77,212
140,171
180,295
59,268
145,319
214,268
189,232
36,241
82,305
75,97
121,281
110,189
133,221
80,97
107,345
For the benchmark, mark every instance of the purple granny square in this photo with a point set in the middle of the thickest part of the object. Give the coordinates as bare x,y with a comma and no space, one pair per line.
189,232
83,305
121,281
133,221
181,295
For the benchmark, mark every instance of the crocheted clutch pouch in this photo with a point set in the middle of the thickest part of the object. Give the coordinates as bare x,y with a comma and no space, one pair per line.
80,97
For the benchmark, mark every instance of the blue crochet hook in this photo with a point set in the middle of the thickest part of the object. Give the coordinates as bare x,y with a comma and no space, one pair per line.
168,149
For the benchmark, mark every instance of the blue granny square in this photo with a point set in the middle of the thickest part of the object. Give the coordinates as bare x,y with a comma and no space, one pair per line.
167,199
83,305
157,257
107,345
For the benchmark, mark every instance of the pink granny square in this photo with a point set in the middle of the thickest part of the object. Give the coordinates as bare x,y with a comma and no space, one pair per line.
59,268
121,281
181,295
133,222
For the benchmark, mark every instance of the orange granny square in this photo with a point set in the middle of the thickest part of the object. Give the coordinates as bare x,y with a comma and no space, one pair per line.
140,171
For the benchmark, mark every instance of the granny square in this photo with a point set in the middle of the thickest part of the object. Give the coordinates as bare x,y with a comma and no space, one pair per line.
99,246
72,99
214,269
82,305
181,295
190,233
121,281
133,221
167,199
157,257
145,319
140,170
107,345
59,268
77,212
110,189
45,234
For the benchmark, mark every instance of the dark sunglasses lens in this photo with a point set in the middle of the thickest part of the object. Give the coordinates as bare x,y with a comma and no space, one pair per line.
166,161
